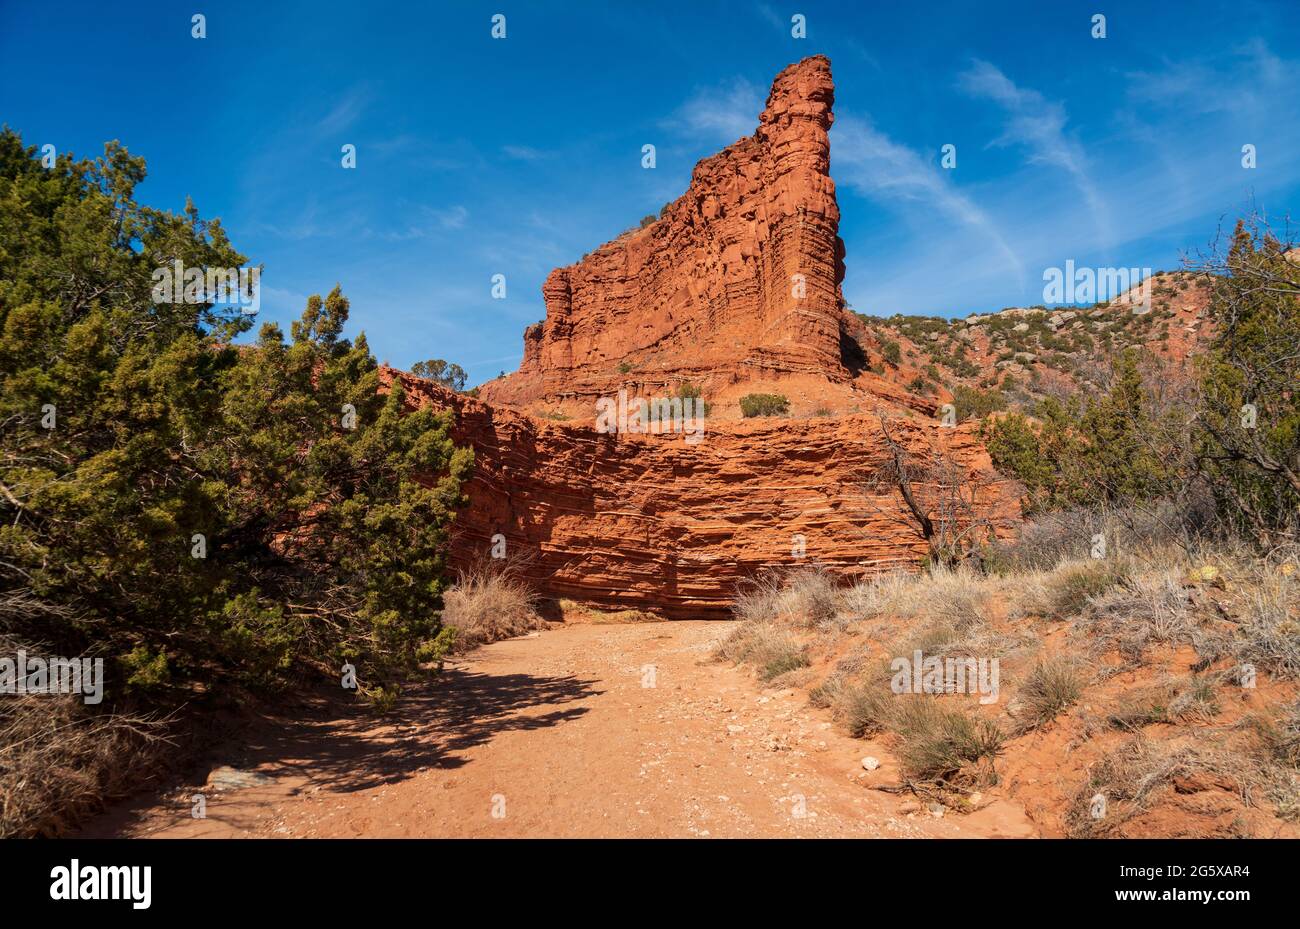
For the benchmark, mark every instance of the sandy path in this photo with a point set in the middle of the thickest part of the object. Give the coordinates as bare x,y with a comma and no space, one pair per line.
559,735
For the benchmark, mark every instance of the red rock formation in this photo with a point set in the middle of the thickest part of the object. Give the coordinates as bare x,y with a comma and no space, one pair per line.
739,278
651,522
736,288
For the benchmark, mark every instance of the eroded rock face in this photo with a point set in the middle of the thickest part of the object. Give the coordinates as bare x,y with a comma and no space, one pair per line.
736,288
651,522
739,277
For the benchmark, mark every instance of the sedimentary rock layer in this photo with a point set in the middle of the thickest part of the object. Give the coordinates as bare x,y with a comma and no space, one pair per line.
655,523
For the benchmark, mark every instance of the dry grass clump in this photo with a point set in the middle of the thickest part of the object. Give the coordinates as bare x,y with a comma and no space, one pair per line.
952,612
884,595
772,648
825,693
944,744
861,705
1280,736
1059,591
61,760
486,605
1269,634
807,597
813,596
1052,686
1026,595
760,602
770,610
957,623
938,744
1278,750
1146,609
961,608
1190,699
1132,777
1074,585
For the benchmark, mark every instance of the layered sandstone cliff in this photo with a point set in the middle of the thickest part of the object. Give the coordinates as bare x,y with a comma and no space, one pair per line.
738,279
656,523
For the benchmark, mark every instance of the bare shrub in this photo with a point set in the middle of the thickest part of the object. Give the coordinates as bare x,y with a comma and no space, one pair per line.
488,604
1132,776
942,500
1046,541
1137,528
61,760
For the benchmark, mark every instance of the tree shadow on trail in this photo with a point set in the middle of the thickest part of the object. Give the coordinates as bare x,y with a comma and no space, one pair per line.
331,743
433,725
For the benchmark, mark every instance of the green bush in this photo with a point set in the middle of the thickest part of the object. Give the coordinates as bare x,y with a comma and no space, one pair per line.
1252,363
199,513
763,405
1113,448
973,403
919,385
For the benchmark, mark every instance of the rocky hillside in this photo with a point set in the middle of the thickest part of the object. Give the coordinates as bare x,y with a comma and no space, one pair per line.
1022,353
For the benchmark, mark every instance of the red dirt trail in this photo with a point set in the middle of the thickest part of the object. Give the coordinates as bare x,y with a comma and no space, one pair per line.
561,734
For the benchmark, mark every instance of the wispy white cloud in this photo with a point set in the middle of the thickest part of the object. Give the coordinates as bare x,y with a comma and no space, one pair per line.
1247,77
523,152
769,14
345,112
452,217
278,302
867,160
1037,124
428,221
722,113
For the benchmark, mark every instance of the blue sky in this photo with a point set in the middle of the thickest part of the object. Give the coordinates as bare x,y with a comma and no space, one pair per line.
478,156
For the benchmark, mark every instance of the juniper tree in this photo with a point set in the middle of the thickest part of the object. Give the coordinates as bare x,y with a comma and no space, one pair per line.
1248,423
189,509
